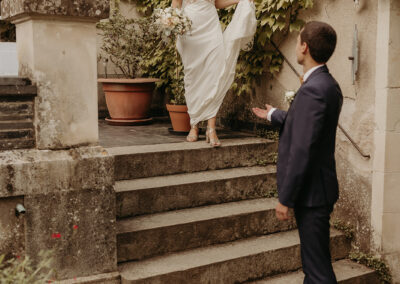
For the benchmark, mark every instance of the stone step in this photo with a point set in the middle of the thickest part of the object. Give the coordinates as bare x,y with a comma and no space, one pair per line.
157,234
174,158
16,124
17,134
12,144
14,81
238,261
17,91
347,272
160,194
16,109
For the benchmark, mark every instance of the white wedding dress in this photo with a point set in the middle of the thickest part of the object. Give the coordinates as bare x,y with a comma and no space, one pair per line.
209,56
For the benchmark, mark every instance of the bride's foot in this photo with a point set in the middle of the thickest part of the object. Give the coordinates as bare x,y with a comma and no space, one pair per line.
212,138
193,134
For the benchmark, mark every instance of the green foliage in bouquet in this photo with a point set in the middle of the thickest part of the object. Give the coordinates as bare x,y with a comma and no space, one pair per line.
127,43
275,18
7,31
22,271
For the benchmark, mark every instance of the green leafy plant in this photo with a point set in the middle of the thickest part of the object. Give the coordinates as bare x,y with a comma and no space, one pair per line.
276,18
7,31
346,228
22,271
374,263
268,134
127,43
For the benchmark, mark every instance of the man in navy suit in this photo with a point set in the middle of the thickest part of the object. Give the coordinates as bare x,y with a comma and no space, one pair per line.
306,170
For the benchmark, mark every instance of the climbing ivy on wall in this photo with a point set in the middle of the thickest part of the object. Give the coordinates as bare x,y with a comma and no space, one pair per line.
7,31
276,18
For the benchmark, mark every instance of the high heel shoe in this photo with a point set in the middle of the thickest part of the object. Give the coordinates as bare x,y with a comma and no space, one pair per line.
193,137
213,142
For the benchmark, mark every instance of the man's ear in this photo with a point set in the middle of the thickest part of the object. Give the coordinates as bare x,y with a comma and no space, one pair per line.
304,48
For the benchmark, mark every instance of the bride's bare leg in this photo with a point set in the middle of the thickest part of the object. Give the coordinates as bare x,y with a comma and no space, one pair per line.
211,134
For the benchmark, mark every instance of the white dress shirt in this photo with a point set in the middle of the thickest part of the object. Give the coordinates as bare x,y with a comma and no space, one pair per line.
305,77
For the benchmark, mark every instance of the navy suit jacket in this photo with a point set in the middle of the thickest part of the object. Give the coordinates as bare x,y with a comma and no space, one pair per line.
306,168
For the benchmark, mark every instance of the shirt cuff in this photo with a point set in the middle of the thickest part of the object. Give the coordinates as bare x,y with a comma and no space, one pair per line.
269,115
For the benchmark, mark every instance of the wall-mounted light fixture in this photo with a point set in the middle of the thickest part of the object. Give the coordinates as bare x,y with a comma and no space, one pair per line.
357,2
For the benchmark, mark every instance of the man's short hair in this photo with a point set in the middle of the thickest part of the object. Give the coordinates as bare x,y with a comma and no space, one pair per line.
321,40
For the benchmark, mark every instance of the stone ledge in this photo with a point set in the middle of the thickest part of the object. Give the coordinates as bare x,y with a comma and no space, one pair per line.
18,91
14,9
105,278
27,172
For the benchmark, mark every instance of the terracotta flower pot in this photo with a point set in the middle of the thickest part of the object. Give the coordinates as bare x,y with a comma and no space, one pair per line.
128,99
179,117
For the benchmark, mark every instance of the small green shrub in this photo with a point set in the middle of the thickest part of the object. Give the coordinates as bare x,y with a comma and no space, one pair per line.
22,271
374,263
346,228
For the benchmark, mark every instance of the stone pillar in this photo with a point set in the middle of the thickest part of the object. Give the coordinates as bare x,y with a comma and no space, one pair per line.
385,212
56,44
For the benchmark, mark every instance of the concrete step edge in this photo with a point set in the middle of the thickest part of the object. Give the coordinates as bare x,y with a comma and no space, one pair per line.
194,215
346,271
201,258
170,147
190,178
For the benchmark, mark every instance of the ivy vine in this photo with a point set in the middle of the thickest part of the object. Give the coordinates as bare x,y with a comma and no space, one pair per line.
7,31
276,18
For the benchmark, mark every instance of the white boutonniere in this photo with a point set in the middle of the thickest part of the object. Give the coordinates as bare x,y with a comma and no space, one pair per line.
289,96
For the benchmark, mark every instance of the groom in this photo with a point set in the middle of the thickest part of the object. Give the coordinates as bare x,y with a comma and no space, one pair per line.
306,170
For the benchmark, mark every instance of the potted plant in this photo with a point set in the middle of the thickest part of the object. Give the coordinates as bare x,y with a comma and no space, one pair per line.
171,23
178,111
126,44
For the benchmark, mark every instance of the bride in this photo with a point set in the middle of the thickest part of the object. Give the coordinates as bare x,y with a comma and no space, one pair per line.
209,57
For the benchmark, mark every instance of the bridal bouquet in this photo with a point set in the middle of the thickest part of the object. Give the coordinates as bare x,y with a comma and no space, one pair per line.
172,22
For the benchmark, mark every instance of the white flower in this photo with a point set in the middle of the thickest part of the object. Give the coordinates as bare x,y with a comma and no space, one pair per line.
289,96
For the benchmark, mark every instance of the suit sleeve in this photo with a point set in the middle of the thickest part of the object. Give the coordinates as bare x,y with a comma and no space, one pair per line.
278,117
307,123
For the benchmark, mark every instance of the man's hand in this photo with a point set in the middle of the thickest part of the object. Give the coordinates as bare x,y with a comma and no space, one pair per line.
282,212
262,113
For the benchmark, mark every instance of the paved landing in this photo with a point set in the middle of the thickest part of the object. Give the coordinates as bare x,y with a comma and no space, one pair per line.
156,133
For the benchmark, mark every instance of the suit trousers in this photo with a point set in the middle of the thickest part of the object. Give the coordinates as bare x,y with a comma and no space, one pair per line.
314,230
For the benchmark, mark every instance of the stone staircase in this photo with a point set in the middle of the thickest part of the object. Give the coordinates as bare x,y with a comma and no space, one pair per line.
16,113
190,214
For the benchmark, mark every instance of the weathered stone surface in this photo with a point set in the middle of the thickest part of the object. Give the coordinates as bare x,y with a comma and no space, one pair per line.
12,144
14,134
158,194
24,172
65,108
12,81
18,108
18,91
347,272
78,224
16,124
166,159
12,241
104,278
97,9
157,234
234,262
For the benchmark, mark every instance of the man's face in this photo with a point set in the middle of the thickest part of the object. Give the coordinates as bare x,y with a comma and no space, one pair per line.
301,49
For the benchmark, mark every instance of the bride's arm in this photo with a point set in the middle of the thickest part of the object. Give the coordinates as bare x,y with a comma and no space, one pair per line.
176,3
222,4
